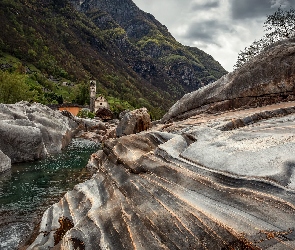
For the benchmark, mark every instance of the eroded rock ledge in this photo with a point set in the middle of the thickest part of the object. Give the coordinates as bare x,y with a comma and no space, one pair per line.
268,79
186,186
216,175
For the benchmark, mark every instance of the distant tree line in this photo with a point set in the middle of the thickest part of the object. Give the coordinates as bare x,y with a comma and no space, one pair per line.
278,26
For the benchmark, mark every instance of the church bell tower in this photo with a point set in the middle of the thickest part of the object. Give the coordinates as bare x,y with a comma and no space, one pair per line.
92,94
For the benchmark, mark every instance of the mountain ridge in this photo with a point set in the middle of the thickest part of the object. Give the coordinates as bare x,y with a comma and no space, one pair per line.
131,54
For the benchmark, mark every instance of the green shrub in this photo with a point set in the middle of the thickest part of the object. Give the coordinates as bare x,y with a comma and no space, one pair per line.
85,113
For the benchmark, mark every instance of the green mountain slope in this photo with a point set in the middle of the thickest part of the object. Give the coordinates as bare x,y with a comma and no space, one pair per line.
131,55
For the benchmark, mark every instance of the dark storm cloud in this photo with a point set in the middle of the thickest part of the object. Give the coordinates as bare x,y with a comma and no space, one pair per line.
250,8
255,9
205,5
206,31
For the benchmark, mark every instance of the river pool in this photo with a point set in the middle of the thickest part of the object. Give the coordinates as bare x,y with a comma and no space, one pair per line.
28,189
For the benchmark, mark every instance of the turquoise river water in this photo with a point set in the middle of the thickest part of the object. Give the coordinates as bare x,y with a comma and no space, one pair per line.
30,188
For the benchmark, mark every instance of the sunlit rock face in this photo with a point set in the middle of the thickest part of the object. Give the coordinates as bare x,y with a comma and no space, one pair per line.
134,122
191,185
30,131
205,179
268,78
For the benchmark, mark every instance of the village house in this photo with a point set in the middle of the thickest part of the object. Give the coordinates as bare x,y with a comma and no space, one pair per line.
101,102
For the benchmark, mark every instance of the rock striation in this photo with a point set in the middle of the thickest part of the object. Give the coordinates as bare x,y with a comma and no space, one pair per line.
268,78
187,186
31,131
215,180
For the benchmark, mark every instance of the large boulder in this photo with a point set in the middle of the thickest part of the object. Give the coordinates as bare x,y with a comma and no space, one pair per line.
268,78
194,187
104,113
213,181
134,122
5,162
31,131
21,140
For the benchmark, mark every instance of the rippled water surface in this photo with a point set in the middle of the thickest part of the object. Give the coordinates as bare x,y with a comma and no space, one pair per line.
29,188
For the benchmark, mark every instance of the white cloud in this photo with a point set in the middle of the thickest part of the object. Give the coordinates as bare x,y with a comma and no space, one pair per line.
220,27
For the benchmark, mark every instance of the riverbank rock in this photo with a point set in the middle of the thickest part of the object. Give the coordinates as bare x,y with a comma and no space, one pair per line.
104,113
96,130
192,185
268,79
5,162
204,179
134,122
31,131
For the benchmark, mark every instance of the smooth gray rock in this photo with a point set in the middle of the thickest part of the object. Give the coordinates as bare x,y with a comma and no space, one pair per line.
5,162
195,187
21,140
268,78
31,131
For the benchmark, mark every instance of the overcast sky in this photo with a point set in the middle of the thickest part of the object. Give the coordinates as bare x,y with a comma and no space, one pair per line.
219,27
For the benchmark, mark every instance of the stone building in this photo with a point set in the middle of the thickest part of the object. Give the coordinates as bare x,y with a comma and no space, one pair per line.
101,102
92,95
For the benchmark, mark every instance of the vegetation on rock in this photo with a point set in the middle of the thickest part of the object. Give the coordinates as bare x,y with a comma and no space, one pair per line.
85,113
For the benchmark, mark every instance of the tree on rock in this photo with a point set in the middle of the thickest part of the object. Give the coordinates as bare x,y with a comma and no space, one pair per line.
280,25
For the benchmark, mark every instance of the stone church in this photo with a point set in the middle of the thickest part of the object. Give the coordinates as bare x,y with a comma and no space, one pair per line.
101,102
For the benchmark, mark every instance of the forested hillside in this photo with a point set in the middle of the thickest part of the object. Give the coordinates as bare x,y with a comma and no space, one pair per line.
54,47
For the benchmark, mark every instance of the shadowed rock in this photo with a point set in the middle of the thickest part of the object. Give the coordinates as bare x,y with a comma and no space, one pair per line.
268,78
134,122
104,113
5,162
